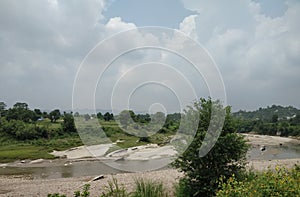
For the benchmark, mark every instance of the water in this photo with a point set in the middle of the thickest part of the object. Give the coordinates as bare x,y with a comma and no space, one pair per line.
94,168
85,168
275,152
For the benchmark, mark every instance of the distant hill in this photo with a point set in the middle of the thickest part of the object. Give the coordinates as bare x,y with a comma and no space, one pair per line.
265,114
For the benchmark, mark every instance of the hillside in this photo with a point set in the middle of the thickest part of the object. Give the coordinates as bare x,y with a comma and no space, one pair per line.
266,114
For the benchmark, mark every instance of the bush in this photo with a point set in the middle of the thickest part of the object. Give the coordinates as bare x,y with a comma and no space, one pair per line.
114,190
225,158
148,189
281,182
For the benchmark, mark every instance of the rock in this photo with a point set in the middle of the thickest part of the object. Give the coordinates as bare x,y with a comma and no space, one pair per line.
98,177
263,148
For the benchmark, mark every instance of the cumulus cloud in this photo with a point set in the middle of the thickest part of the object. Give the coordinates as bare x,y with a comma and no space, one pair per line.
188,26
43,43
256,53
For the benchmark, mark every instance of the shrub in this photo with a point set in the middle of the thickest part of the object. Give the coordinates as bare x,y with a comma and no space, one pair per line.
148,189
281,182
85,191
114,190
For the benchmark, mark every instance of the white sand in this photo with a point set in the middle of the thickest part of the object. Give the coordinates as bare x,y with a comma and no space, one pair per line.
146,152
83,151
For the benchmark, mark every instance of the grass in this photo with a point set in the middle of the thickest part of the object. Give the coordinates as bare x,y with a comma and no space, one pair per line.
9,153
147,188
11,149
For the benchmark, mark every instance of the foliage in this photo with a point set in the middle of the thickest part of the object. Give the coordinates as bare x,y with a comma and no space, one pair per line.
149,189
56,195
225,158
265,114
54,115
68,124
108,116
85,191
114,190
281,182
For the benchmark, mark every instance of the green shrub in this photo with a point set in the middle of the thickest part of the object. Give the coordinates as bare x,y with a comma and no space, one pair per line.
114,190
85,191
148,189
281,182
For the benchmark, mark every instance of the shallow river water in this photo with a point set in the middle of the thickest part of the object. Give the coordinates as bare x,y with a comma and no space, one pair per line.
93,168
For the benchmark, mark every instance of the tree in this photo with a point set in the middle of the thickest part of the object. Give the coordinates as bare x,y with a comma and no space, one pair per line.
21,112
54,115
227,157
2,108
99,116
275,118
68,125
21,106
108,116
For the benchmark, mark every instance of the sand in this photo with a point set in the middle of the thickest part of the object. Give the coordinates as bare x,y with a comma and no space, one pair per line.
23,186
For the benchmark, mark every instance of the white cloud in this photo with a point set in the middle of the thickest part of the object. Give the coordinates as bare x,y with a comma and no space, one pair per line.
188,26
256,54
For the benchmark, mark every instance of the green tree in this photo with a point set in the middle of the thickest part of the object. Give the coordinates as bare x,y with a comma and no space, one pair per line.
108,116
2,108
68,124
275,118
99,116
20,111
225,158
54,115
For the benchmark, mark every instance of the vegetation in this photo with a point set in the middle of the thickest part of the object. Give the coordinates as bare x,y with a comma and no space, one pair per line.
114,190
227,157
281,182
274,120
147,188
144,188
32,134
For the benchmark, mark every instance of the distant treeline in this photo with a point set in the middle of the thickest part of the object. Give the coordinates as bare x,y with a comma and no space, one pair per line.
22,123
274,120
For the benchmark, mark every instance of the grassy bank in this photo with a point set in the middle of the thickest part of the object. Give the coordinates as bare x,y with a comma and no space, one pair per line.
12,149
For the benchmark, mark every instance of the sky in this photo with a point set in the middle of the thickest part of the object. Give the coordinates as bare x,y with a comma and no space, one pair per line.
46,46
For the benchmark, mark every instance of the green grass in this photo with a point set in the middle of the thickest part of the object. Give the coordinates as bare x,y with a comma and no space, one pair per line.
147,188
11,149
9,153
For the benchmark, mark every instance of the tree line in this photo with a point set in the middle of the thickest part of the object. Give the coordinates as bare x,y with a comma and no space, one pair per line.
274,120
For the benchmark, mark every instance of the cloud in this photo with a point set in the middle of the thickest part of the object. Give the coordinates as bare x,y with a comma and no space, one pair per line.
188,26
256,52
256,47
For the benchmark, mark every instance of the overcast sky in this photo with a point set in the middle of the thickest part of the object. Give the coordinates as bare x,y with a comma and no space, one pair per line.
254,43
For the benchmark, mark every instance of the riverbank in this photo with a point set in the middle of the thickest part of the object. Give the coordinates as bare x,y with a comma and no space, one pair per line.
26,186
